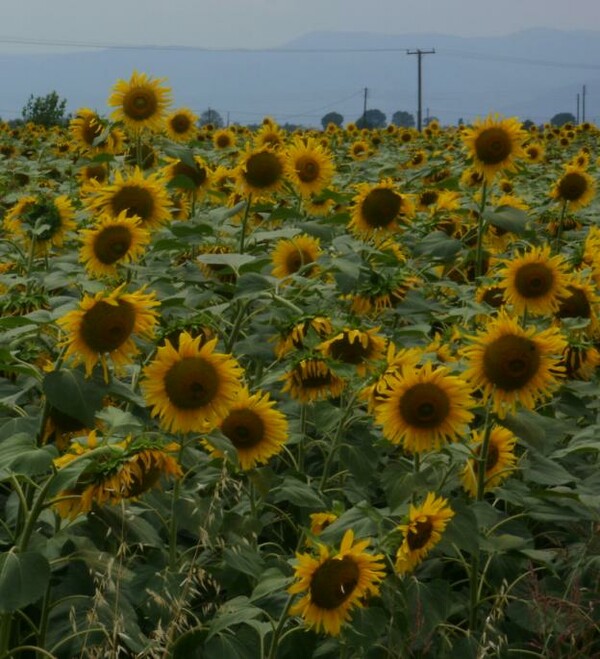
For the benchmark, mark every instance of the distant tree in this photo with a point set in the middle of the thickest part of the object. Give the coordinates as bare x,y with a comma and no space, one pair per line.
461,121
211,117
332,118
403,118
46,110
562,118
428,120
372,119
527,124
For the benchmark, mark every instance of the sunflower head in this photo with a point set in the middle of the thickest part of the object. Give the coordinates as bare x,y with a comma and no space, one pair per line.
260,172
575,187
181,125
296,255
311,379
140,102
309,167
379,209
499,464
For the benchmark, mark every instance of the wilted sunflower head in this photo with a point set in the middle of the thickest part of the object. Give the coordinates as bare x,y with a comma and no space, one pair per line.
140,102
311,379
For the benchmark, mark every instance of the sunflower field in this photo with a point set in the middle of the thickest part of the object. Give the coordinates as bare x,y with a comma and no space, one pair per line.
272,395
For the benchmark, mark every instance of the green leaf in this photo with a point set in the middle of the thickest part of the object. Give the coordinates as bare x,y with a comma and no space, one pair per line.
540,469
271,581
508,218
23,579
234,261
234,612
438,245
297,492
34,461
244,559
71,393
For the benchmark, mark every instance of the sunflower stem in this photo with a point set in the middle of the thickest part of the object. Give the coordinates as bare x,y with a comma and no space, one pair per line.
559,228
336,443
483,456
30,260
280,624
302,442
173,527
244,223
481,227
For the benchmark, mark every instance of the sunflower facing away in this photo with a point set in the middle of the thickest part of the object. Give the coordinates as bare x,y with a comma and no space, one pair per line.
260,172
575,187
311,379
361,348
191,388
494,144
534,282
297,254
125,470
111,242
105,324
334,583
378,208
181,125
293,339
256,430
513,365
189,180
309,167
424,529
144,197
140,102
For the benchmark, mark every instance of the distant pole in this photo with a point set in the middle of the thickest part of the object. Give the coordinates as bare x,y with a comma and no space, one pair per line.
577,108
583,105
419,53
365,109
227,118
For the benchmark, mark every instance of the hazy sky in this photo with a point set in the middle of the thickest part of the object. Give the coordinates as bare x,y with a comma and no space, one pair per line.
267,23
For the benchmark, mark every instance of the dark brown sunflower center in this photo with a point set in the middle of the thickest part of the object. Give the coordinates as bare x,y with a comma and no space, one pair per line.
263,170
296,259
96,173
223,141
308,169
180,124
196,174
244,428
111,244
135,200
105,327
350,352
419,536
90,130
494,296
493,145
429,197
315,377
510,362
534,280
491,461
40,214
191,383
381,207
576,305
334,582
572,186
140,104
424,405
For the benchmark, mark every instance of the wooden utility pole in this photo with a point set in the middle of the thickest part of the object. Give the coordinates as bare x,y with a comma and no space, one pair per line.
583,105
365,109
419,53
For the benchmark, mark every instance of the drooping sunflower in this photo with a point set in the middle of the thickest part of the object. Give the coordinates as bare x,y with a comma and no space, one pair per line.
335,582
144,197
511,364
500,462
379,209
425,408
424,529
360,348
293,339
105,325
43,218
124,470
311,379
575,187
297,254
257,431
308,165
580,301
494,144
191,180
180,125
580,362
111,242
534,281
260,172
191,388
141,102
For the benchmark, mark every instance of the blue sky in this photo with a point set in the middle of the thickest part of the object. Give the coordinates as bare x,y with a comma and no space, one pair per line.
268,23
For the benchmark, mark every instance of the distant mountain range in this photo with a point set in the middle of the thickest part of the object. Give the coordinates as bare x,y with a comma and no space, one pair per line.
532,74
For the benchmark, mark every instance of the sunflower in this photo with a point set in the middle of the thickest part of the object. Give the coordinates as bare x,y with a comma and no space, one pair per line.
581,301
425,408
89,130
256,430
269,135
500,462
191,388
575,187
356,347
494,144
534,152
260,172
580,362
105,324
311,379
359,150
296,255
125,470
140,103
97,172
144,197
308,166
378,208
187,179
223,138
111,242
320,521
180,125
535,281
318,205
424,529
513,365
294,338
335,582
45,219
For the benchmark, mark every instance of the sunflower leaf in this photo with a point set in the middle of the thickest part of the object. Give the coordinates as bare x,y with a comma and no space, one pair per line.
23,579
71,393
508,218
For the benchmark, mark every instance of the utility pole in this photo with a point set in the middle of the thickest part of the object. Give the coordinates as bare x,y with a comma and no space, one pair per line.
583,105
365,109
577,108
419,53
